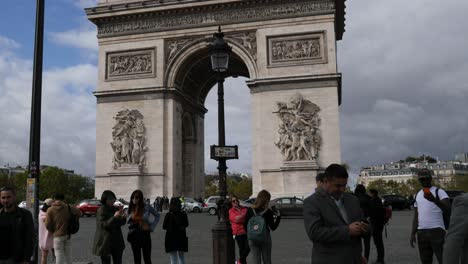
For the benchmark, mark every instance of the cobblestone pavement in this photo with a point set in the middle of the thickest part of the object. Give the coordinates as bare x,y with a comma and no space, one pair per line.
290,243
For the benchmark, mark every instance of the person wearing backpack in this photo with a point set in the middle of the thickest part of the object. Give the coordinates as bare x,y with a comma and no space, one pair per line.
259,221
57,222
429,222
378,219
108,239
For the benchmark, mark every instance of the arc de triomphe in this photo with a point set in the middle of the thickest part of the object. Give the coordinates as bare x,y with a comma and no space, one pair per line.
155,74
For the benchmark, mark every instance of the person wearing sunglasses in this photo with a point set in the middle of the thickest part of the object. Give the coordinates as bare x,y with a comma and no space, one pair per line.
142,220
237,215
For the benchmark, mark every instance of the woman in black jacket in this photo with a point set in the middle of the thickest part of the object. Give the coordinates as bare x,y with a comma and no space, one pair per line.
262,249
108,239
176,241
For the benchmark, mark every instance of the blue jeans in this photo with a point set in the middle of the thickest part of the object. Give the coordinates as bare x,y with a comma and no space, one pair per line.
177,257
261,251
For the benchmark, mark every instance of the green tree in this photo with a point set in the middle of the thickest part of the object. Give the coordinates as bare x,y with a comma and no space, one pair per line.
458,182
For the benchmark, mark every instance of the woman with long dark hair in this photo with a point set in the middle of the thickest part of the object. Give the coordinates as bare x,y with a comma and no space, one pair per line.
262,249
176,241
142,220
108,239
237,214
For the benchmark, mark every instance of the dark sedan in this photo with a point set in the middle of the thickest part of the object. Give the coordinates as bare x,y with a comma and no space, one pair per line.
397,202
288,206
454,193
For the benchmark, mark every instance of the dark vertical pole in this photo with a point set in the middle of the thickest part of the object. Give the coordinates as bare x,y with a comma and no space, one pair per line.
223,244
35,133
221,138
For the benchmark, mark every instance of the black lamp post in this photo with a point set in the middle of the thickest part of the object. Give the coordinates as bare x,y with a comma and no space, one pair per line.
35,133
223,244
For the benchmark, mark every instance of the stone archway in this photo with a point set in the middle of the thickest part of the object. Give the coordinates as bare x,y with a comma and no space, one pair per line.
154,76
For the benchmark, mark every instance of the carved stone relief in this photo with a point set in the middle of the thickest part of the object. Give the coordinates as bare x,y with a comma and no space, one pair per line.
237,14
299,130
248,40
130,64
297,49
128,143
174,46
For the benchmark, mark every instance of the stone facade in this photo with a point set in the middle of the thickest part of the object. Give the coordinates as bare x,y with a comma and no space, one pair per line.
403,171
153,58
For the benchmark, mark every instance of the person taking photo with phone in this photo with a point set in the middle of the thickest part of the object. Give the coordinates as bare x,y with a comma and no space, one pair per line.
430,221
108,239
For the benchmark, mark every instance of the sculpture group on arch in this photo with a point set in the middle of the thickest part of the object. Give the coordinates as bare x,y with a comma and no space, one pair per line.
128,137
299,132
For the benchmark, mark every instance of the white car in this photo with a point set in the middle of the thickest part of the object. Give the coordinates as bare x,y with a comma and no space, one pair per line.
24,205
118,203
190,205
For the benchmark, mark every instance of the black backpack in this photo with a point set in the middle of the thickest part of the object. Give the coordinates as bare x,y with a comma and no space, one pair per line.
445,214
73,223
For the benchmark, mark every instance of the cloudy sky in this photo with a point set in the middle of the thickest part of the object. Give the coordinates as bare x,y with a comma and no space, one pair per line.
405,85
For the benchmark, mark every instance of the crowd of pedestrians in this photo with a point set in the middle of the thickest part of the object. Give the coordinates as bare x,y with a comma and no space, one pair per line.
341,225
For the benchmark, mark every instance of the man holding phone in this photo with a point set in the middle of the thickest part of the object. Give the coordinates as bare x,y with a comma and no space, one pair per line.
428,222
333,220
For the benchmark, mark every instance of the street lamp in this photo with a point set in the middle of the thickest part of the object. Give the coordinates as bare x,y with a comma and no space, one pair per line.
35,130
223,244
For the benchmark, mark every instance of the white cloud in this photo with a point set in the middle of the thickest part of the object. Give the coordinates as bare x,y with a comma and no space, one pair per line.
68,114
85,3
83,39
237,121
6,44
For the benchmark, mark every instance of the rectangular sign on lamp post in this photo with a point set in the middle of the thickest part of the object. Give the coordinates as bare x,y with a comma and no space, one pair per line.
225,152
30,192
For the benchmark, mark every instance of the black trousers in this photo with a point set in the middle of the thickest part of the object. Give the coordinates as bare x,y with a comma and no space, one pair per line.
378,241
142,242
244,249
431,242
116,257
366,247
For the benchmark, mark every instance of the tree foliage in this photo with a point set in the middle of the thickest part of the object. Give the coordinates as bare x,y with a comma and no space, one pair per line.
240,186
458,182
421,158
53,180
406,189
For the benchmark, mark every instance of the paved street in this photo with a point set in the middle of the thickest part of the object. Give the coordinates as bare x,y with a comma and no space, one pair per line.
290,244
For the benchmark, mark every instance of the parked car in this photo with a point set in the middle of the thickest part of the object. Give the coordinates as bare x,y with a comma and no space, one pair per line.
397,202
89,207
454,193
288,206
251,200
211,204
24,205
122,204
190,205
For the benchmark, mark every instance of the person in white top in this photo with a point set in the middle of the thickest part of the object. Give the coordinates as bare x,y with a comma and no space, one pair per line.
428,221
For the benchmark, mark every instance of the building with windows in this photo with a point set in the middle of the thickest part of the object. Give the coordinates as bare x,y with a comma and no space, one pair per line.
462,157
403,171
11,171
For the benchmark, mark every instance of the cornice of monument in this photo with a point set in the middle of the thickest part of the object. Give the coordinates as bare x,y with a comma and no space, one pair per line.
156,15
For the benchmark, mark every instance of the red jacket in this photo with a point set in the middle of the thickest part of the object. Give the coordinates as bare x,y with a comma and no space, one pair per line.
237,218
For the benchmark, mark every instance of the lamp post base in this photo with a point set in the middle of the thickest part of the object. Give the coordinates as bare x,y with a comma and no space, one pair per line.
223,244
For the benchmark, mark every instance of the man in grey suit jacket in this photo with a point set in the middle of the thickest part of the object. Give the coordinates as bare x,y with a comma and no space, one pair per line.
333,220
456,241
